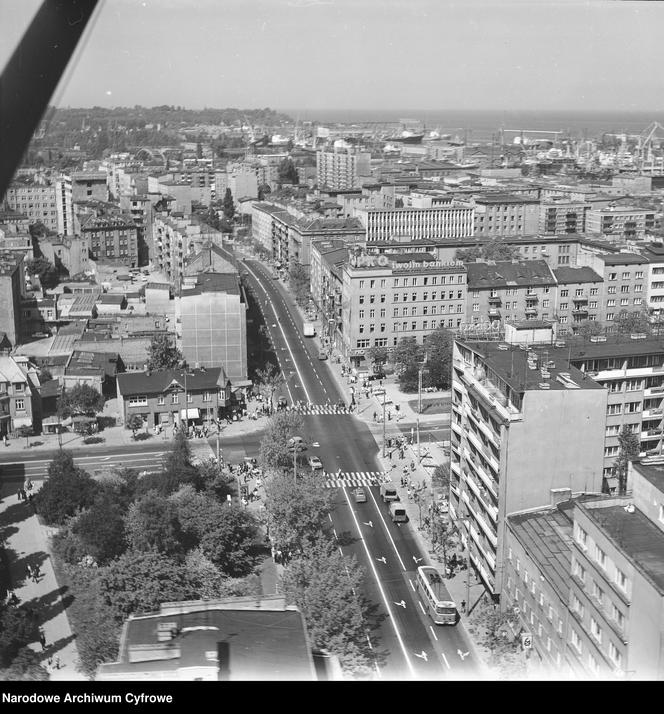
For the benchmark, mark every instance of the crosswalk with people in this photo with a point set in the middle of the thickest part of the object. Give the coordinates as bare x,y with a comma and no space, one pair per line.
353,479
318,409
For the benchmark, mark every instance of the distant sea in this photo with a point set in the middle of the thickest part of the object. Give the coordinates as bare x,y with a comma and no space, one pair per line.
480,125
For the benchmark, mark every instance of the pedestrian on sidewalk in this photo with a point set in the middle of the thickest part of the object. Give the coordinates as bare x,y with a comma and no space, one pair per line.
36,574
28,571
42,638
6,440
19,493
463,606
409,494
375,415
13,599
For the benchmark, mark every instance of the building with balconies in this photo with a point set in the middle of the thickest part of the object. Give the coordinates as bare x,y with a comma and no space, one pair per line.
505,215
616,599
562,217
579,297
510,290
620,222
523,422
631,370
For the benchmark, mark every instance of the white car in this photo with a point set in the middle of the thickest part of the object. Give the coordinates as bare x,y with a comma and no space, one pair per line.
315,463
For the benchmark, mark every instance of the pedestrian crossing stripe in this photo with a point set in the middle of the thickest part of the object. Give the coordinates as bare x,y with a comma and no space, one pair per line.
317,409
353,479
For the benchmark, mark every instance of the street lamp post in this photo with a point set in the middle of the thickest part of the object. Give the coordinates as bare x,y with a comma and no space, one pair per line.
296,445
383,423
420,372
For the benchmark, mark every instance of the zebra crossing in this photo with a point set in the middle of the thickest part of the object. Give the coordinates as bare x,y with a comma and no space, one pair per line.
353,479
318,409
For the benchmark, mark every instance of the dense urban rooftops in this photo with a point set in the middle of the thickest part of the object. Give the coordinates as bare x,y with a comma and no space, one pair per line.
502,274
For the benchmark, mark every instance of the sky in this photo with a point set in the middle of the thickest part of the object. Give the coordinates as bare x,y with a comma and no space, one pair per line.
508,55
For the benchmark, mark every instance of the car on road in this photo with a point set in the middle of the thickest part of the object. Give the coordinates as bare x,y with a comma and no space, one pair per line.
315,463
282,403
322,354
360,495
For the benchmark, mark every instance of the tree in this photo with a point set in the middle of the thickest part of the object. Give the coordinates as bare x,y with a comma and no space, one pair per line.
264,190
25,667
441,478
629,322
232,543
152,524
499,630
134,422
67,489
269,380
325,586
228,206
212,583
212,218
443,536
17,629
589,328
25,431
274,452
439,345
214,481
101,528
408,355
140,581
163,353
286,172
629,446
377,355
296,511
81,399
492,250
48,274
299,282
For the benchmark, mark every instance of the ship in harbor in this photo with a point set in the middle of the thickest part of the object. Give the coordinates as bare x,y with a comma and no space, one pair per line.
408,137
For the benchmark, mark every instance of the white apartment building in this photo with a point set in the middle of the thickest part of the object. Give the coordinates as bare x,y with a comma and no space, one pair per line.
44,199
342,168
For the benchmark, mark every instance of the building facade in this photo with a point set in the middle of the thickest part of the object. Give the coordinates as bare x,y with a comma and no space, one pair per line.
417,223
342,168
505,215
112,239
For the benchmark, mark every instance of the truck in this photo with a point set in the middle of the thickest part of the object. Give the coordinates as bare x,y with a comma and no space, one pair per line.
309,329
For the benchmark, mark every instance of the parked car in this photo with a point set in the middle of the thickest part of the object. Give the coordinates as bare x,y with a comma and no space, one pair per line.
282,403
315,463
360,495
322,354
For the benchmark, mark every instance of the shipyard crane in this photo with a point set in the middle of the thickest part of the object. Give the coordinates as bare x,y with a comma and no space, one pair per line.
646,139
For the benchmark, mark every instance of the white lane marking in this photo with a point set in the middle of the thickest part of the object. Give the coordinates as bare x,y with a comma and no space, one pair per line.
380,587
334,530
81,458
297,369
421,607
380,515
447,664
435,636
330,517
411,584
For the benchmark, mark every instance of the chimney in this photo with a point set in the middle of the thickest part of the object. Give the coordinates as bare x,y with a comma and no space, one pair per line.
560,495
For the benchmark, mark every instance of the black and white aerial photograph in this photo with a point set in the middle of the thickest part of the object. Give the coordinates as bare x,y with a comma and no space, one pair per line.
331,345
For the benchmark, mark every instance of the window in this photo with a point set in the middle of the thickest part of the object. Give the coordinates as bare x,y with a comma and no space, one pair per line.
137,400
564,293
638,274
361,284
594,291
610,303
592,664
361,299
581,536
624,288
372,299
20,405
579,571
361,344
518,565
575,641
612,276
621,579
595,630
618,616
161,401
600,557
361,314
396,297
626,276
610,316
661,513
614,655
577,605
509,550
638,289
476,307
372,313
372,284
549,614
564,305
175,399
598,593
414,297
613,409
611,290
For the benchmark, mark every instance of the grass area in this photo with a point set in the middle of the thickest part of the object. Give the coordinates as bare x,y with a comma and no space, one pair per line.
432,406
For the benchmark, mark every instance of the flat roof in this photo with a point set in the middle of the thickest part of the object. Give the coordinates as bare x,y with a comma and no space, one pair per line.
635,535
511,364
623,259
652,471
614,346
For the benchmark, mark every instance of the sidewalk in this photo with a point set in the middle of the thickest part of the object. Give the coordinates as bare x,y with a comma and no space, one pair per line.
26,542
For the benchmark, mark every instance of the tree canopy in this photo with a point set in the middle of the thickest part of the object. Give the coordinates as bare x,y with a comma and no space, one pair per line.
163,353
439,345
269,379
286,172
274,451
228,206
299,282
67,489
152,524
81,399
632,321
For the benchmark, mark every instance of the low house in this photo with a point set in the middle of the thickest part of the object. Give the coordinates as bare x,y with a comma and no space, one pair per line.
230,639
171,397
111,303
98,369
19,395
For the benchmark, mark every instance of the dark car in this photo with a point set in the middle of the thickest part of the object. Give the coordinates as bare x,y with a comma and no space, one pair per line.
282,403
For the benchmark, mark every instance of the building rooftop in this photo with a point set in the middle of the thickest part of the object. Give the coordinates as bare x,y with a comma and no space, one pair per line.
623,259
521,369
634,534
566,274
214,283
507,274
160,380
613,346
652,470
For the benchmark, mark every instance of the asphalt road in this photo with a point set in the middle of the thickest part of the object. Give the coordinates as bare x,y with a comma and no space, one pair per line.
407,643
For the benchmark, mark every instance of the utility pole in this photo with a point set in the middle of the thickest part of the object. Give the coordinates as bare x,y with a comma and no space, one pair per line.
383,422
419,409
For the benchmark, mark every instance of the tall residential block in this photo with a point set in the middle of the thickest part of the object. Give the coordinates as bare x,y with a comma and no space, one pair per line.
342,168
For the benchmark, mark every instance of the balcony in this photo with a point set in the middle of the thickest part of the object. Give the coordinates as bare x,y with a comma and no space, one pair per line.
495,300
583,300
494,314
532,295
580,311
531,310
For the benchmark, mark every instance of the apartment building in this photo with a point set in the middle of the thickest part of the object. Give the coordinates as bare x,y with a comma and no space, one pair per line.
616,601
342,168
175,239
112,238
505,215
523,424
12,291
631,370
654,254
140,208
44,199
625,283
214,324
89,185
68,252
560,216
506,290
326,280
454,221
620,222
391,296
579,297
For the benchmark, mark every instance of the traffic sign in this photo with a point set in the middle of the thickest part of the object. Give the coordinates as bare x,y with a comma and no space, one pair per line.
526,640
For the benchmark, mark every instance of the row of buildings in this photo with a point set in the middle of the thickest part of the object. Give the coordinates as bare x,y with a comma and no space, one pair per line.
534,426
